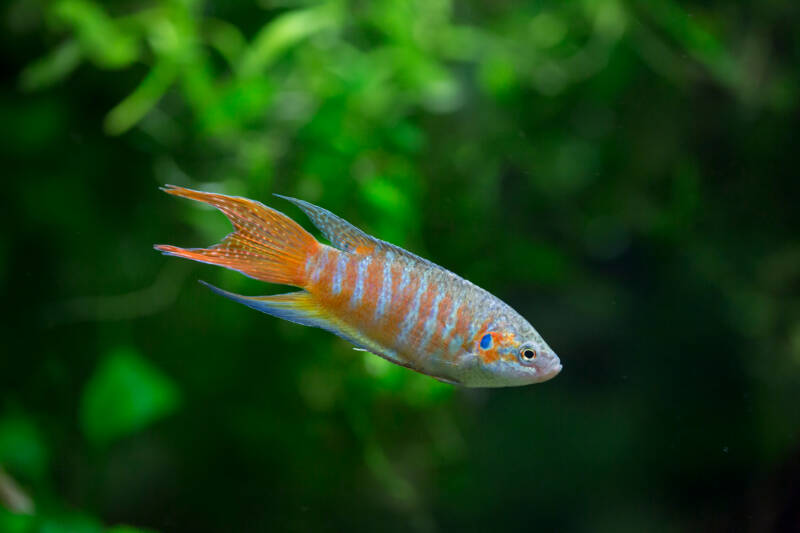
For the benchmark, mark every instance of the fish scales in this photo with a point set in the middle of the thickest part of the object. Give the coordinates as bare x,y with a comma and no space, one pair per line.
378,296
404,316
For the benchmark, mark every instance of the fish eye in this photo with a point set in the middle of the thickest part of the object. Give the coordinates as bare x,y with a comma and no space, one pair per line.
527,354
486,341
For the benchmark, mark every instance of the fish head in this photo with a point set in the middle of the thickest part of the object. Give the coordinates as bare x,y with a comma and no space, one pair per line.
511,353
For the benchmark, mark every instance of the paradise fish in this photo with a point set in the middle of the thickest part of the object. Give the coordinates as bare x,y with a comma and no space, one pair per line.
378,296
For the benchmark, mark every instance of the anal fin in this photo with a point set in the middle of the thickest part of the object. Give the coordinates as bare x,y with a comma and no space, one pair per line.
300,307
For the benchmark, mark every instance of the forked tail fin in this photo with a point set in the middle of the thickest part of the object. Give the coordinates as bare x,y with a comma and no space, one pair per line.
265,244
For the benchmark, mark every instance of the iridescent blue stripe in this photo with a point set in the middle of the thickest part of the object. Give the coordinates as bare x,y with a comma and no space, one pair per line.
321,260
455,344
385,295
411,317
474,326
405,279
360,275
451,322
341,264
430,322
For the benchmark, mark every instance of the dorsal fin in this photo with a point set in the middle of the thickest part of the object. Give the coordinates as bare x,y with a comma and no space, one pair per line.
340,232
346,237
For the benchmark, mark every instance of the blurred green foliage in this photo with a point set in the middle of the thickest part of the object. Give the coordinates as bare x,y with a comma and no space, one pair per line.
124,395
22,447
622,173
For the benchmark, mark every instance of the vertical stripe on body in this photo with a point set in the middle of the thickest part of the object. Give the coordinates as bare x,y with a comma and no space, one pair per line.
333,285
385,295
397,308
418,285
405,279
450,325
349,281
430,324
341,265
373,284
361,273
460,330
328,267
444,313
476,327
322,262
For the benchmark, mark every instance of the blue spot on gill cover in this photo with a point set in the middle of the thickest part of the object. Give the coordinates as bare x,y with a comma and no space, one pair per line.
486,341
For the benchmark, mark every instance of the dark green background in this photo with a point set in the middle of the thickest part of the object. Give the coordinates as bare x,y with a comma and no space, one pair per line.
622,173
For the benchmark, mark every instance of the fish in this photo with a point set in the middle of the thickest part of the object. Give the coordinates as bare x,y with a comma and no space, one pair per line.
380,297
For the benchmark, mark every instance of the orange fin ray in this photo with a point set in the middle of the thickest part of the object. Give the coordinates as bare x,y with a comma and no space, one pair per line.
265,244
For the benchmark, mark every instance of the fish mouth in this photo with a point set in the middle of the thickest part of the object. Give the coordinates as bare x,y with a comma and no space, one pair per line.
550,371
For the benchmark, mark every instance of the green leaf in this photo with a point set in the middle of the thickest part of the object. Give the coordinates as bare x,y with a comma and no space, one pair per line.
282,33
497,75
137,104
226,39
102,39
22,448
236,103
51,68
697,40
16,523
125,394
73,523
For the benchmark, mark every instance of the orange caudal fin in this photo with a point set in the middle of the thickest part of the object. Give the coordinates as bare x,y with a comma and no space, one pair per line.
265,244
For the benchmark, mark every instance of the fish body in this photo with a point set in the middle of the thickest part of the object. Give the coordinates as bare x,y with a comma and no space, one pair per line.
376,295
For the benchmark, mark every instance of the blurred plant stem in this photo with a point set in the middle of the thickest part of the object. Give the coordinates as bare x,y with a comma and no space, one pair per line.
134,304
12,497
